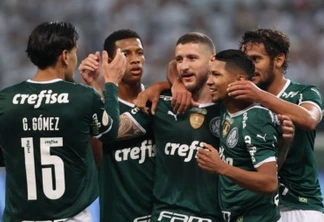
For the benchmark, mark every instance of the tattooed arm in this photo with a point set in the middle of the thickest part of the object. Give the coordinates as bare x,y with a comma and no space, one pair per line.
129,128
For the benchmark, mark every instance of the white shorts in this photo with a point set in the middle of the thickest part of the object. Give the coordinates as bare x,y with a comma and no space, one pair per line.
301,215
84,216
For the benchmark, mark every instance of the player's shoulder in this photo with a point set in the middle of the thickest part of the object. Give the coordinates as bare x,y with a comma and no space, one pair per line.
12,88
82,89
258,113
296,86
256,108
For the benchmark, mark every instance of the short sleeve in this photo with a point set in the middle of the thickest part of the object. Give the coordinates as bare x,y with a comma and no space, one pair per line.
311,94
261,135
140,119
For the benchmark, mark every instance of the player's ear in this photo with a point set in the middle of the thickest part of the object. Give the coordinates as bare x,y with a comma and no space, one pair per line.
65,57
241,77
279,60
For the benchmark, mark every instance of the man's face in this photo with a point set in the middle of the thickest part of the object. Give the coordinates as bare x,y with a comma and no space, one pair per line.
133,50
192,64
264,67
72,62
218,80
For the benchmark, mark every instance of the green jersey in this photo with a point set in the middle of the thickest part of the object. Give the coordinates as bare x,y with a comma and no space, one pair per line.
247,140
182,190
44,134
127,176
299,184
1,159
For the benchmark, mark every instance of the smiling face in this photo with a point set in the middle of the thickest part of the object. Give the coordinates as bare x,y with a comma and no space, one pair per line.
192,64
134,52
218,80
264,65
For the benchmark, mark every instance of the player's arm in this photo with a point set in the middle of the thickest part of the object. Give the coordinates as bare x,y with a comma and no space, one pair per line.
89,69
288,133
152,95
306,115
263,180
105,117
96,146
129,127
181,97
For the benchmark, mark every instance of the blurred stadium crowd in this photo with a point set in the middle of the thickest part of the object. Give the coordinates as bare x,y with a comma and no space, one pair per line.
161,22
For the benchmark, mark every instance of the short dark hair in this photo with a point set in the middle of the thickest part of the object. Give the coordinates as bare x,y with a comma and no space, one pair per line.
274,41
110,41
197,37
236,59
48,40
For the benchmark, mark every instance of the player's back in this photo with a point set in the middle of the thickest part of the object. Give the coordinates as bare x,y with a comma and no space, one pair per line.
44,133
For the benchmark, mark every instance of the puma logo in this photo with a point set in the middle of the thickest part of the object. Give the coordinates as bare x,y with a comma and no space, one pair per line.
172,114
262,137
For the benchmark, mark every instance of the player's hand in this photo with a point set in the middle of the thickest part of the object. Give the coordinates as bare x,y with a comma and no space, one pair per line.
181,97
115,70
90,68
245,90
151,94
208,159
288,133
288,128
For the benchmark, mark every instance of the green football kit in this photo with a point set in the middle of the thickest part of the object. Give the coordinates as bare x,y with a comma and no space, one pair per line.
299,183
44,135
248,139
126,177
182,190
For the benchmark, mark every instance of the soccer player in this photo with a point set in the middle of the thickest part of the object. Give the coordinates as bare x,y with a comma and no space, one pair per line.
246,159
127,167
45,124
300,193
182,191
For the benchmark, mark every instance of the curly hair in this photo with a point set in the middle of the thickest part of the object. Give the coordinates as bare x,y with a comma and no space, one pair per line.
274,41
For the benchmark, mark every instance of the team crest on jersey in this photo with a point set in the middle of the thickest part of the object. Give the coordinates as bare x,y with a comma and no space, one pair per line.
196,120
214,126
232,138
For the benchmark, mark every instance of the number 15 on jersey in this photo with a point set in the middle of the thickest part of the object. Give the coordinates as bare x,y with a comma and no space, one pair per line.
52,189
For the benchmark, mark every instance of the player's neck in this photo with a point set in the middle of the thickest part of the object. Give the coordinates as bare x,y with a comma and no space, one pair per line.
277,84
48,74
234,106
129,92
202,96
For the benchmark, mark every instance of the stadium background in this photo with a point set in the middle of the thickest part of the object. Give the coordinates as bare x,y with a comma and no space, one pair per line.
160,23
